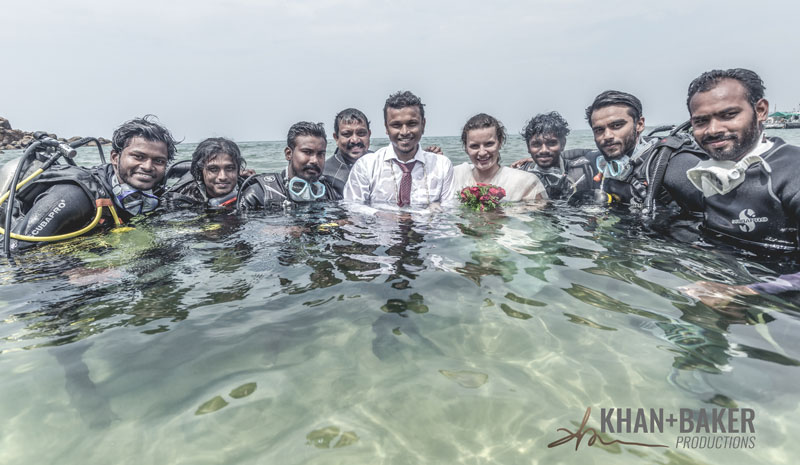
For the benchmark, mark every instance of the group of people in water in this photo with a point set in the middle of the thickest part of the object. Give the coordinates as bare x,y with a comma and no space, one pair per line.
723,170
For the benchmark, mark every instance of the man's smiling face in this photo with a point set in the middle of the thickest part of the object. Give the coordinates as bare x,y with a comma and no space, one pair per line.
142,163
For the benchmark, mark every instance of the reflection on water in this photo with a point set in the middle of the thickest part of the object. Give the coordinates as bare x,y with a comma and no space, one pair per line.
448,338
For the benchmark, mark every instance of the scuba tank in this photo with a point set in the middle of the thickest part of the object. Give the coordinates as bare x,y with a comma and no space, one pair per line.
7,171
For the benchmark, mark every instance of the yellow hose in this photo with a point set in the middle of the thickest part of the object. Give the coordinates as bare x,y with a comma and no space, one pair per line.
100,203
60,237
20,184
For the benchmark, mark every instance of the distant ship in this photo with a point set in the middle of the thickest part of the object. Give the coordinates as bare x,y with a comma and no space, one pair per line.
783,120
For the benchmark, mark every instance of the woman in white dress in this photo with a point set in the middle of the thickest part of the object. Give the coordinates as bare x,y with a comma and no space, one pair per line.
483,136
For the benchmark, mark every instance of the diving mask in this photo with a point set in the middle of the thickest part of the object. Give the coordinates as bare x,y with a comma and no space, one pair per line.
618,168
713,177
301,190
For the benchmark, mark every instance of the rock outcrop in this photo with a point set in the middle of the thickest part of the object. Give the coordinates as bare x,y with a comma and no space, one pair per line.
15,139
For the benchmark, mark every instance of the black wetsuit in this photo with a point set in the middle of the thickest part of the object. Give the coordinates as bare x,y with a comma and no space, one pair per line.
62,200
184,191
763,212
577,176
683,153
337,170
270,191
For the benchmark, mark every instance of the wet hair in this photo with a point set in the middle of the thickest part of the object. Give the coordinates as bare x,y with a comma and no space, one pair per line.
351,116
146,128
403,99
210,149
752,83
615,97
304,128
544,124
482,121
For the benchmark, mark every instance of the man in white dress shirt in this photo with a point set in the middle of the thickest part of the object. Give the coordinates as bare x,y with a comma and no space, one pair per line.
402,174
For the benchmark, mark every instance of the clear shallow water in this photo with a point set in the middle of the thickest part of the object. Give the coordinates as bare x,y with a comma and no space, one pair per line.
457,338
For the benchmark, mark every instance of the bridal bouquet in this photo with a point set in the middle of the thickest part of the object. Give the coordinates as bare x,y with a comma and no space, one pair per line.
482,197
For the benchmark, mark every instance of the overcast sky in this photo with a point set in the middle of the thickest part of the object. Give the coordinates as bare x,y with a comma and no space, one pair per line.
248,69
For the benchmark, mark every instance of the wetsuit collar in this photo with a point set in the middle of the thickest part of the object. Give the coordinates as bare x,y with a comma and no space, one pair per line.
712,177
763,146
344,159
642,145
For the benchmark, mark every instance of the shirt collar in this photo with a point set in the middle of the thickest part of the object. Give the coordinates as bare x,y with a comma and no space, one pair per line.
419,156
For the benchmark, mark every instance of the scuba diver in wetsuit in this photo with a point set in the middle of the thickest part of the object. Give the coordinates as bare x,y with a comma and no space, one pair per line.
65,198
635,170
563,173
749,188
301,181
211,179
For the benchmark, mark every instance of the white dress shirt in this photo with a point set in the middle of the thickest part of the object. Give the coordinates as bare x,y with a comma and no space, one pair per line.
375,179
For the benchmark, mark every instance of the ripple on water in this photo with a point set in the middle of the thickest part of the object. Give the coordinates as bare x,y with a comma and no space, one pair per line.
452,338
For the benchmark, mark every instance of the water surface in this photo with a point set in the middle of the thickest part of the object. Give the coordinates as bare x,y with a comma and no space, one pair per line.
449,338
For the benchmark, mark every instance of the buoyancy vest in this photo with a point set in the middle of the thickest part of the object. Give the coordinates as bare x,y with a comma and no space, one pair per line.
633,189
269,191
576,173
94,181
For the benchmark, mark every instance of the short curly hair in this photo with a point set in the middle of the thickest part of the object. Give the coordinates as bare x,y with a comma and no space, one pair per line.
544,124
403,99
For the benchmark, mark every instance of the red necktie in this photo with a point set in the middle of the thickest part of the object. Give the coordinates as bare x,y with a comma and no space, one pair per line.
404,195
